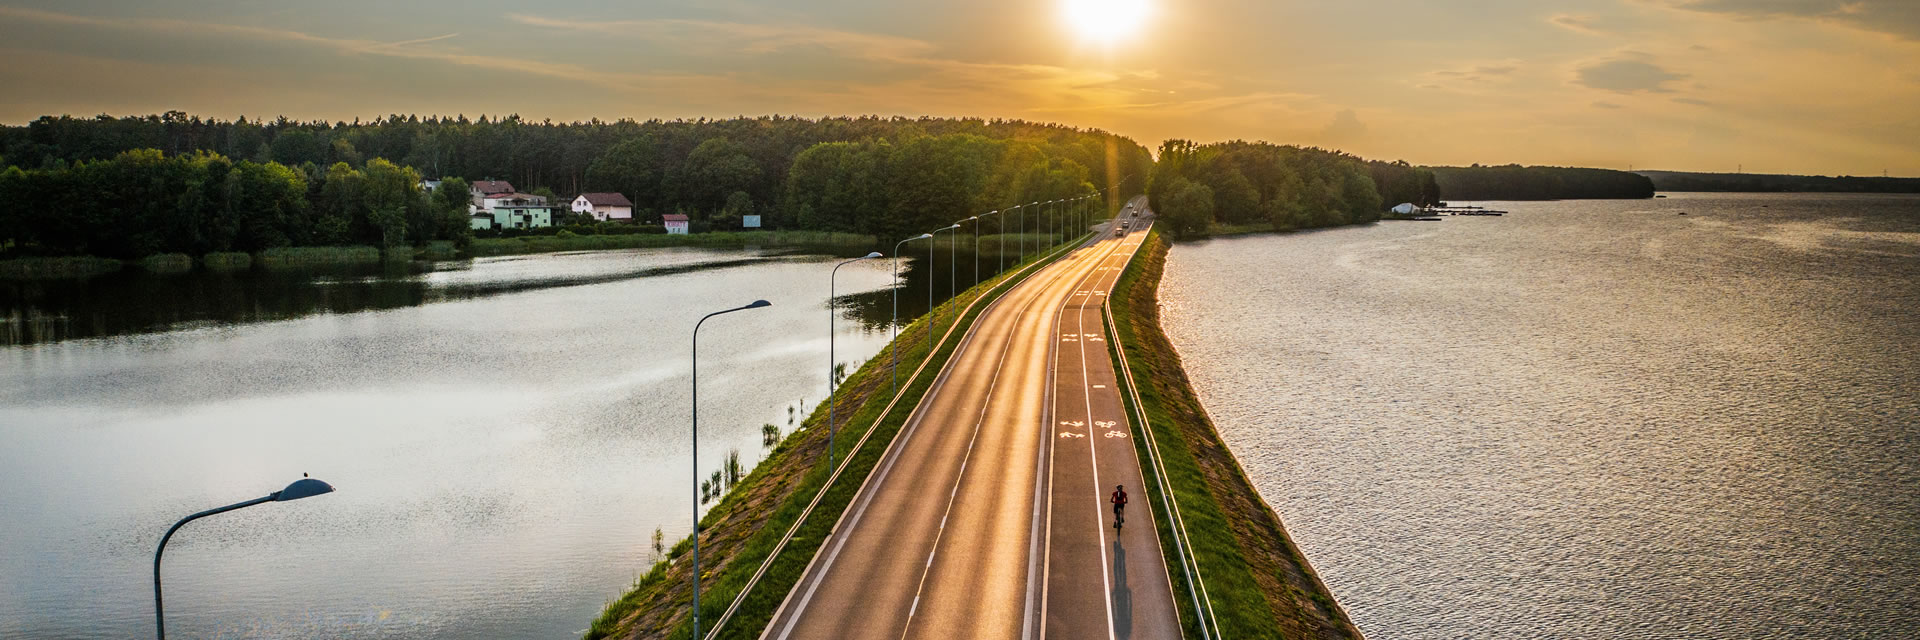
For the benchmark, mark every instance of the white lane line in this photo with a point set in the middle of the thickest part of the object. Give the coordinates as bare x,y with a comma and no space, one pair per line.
914,420
992,387
1053,370
1099,519
1040,543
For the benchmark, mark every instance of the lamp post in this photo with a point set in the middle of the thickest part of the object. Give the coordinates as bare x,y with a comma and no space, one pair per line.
303,488
932,320
696,452
830,363
1023,229
976,249
896,308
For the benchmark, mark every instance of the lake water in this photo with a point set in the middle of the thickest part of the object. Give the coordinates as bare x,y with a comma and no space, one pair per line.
505,435
1587,419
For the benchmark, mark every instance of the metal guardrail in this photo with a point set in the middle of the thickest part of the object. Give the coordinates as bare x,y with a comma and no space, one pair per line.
1182,542
720,623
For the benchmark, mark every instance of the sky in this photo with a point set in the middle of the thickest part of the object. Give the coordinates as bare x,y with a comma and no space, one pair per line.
1775,86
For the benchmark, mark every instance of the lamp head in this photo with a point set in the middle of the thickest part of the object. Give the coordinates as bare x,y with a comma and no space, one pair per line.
923,236
870,256
302,488
952,227
757,304
973,217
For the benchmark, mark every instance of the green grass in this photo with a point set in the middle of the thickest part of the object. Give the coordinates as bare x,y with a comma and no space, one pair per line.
60,267
314,256
741,531
1259,584
720,239
227,261
167,263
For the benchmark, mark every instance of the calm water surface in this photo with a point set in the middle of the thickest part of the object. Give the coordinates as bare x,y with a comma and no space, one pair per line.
1593,419
505,435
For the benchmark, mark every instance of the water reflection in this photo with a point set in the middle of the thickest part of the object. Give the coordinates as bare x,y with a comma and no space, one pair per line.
505,438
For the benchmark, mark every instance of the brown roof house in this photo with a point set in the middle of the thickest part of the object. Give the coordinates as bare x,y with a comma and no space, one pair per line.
604,206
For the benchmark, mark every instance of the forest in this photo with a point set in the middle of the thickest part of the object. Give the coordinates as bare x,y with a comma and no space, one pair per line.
132,186
1767,183
1514,182
1241,185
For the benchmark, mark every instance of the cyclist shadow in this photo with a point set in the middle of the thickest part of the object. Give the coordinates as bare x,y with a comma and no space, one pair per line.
1122,595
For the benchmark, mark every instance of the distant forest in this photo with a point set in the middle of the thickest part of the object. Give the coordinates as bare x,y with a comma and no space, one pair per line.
1767,183
133,186
1241,184
1515,182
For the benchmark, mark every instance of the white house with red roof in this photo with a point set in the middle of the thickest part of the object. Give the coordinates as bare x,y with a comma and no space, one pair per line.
676,223
604,206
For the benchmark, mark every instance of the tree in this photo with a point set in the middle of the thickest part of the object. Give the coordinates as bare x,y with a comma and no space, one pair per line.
715,169
392,201
1188,208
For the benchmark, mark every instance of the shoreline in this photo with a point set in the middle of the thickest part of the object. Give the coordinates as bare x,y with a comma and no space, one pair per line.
1240,547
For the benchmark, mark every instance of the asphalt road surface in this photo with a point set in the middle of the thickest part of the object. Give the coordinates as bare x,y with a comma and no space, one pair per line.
988,517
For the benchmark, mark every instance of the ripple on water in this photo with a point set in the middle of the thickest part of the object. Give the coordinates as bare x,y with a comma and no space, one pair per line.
1584,419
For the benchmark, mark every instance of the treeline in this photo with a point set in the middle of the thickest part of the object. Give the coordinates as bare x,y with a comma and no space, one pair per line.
144,202
1514,182
1255,183
1771,183
698,167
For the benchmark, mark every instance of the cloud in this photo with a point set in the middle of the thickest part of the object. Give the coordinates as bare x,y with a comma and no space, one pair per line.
1577,23
1626,75
1897,17
1693,101
1476,73
1346,126
1605,105
715,36
346,46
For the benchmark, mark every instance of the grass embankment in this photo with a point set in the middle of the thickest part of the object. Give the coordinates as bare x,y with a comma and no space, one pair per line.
61,267
1258,583
718,239
739,533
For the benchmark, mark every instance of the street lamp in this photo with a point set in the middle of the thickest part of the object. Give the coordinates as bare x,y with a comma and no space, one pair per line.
896,307
932,319
1023,229
696,451
305,487
976,249
830,363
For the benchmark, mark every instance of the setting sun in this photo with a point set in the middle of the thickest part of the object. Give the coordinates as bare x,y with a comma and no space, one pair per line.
1105,20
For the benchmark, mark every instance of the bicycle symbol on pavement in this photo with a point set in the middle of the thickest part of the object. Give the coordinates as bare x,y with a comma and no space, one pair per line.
1116,434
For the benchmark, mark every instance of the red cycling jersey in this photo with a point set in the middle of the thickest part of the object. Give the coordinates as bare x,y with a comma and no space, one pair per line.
1119,499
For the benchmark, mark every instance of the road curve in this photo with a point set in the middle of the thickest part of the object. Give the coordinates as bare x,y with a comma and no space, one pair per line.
983,521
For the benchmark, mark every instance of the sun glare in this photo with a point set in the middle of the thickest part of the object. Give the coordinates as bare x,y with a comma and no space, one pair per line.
1105,20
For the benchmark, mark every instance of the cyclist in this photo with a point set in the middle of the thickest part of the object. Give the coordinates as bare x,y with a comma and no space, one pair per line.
1119,500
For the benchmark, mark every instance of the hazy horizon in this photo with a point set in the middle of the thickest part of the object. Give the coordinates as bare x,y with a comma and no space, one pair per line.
1758,86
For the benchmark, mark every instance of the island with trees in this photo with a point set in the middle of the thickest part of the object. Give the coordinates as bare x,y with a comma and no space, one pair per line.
1515,182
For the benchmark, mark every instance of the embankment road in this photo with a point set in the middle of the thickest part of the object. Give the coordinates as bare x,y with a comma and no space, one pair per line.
988,517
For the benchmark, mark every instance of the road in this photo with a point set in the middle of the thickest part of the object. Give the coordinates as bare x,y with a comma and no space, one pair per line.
988,517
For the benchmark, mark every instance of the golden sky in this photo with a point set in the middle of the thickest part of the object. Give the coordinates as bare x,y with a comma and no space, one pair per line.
1784,86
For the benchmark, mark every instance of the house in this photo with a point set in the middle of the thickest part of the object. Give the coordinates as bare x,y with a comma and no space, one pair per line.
511,210
676,223
429,186
484,188
604,206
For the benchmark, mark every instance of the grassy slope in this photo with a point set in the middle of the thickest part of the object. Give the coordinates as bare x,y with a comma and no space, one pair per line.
1258,582
738,533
